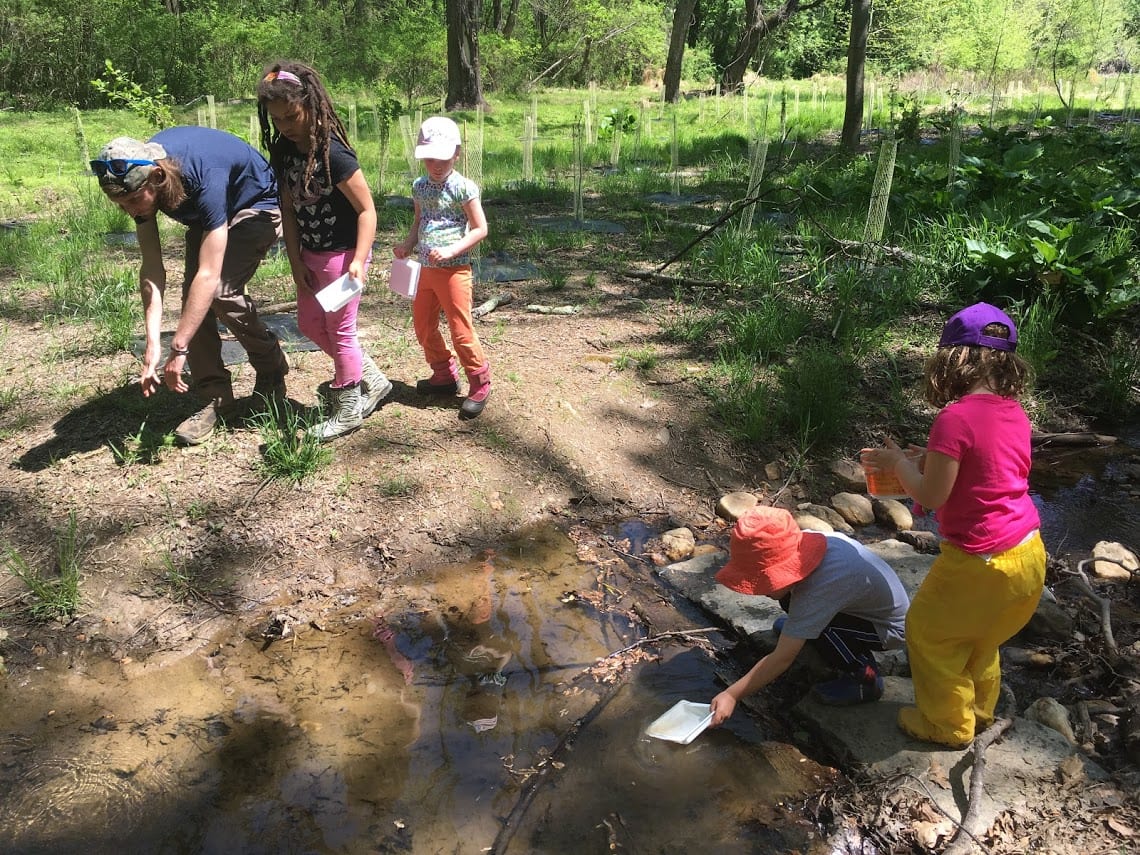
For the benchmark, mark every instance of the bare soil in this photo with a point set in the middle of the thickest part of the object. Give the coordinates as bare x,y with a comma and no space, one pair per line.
187,541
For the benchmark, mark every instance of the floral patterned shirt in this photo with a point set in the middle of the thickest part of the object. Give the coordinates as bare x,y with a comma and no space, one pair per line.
442,218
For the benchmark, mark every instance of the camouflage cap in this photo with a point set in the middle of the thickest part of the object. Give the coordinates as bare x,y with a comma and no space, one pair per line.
135,175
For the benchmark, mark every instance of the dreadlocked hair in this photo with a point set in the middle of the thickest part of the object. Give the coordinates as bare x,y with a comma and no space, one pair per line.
953,371
311,96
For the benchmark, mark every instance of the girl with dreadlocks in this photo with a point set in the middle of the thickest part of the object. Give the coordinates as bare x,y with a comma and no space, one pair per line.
329,221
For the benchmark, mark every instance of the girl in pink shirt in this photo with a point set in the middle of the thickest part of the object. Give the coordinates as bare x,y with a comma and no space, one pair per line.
974,474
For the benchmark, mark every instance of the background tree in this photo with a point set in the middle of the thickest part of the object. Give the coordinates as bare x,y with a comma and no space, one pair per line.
856,62
464,82
678,35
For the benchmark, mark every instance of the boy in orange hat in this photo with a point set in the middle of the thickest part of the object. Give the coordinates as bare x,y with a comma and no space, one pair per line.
838,595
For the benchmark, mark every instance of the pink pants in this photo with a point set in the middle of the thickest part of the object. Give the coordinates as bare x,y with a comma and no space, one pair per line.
447,289
332,332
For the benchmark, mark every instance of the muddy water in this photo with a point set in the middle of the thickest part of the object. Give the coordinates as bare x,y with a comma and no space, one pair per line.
421,728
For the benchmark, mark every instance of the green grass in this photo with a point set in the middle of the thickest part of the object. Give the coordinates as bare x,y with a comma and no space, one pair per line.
779,299
291,452
52,596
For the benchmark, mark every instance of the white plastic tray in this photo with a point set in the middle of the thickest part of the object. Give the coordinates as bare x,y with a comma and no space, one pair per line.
684,722
337,293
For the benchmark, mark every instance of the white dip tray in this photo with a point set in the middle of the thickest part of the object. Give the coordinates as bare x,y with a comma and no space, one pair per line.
683,723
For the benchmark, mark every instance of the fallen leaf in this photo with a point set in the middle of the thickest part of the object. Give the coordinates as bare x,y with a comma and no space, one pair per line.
938,774
1119,827
929,834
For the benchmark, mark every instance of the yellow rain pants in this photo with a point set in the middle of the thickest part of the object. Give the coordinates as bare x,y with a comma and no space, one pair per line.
965,608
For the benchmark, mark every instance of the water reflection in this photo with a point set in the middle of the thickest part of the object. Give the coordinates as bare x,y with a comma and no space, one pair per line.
411,723
1085,495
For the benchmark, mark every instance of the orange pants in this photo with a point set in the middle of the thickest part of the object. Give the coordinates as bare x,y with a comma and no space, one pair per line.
447,290
965,608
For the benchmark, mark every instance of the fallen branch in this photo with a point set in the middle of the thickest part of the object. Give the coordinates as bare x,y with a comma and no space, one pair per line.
1081,440
531,787
276,308
554,310
661,636
969,827
1086,588
491,305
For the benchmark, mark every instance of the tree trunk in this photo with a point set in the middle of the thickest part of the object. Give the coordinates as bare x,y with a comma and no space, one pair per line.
757,26
512,17
464,84
682,17
497,15
856,60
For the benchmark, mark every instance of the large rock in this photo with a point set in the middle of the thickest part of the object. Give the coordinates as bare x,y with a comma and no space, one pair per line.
1049,623
893,513
735,505
829,515
678,543
854,507
1125,562
849,473
810,522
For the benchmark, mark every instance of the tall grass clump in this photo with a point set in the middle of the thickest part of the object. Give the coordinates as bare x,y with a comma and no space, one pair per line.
816,395
1119,381
1038,332
291,451
741,260
744,400
52,597
760,331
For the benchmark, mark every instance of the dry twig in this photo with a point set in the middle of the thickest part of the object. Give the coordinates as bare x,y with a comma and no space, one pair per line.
968,829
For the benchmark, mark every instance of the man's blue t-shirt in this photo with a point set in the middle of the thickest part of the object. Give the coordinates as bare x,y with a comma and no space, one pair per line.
221,173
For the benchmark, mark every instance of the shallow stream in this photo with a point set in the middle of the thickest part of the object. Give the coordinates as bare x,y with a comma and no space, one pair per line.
415,730
461,722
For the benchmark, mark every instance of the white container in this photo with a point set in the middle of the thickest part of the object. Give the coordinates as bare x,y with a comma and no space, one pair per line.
405,276
337,293
683,723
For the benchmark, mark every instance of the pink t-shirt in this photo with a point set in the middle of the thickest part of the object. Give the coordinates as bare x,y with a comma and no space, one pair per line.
989,509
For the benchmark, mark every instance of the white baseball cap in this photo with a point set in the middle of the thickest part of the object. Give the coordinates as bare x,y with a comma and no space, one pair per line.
438,140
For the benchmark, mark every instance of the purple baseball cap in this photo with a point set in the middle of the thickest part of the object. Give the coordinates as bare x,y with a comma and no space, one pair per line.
966,328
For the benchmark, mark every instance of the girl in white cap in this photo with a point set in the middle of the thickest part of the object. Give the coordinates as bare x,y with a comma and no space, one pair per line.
448,223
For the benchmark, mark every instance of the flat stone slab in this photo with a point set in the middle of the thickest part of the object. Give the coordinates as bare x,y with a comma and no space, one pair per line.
750,615
500,267
1020,769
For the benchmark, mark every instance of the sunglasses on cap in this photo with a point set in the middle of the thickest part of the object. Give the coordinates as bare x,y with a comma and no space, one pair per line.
117,166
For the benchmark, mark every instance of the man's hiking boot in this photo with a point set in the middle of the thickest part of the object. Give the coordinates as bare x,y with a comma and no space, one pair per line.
194,430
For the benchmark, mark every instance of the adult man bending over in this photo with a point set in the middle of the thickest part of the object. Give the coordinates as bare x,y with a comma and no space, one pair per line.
223,191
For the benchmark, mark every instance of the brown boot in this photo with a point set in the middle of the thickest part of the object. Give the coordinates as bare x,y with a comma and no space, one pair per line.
195,429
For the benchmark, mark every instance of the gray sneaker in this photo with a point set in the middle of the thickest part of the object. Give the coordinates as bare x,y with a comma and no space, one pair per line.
375,387
195,429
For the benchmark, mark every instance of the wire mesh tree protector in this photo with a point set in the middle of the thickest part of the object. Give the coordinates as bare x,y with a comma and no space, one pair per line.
880,194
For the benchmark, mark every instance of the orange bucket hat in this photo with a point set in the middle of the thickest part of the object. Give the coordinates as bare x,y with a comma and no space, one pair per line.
768,551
